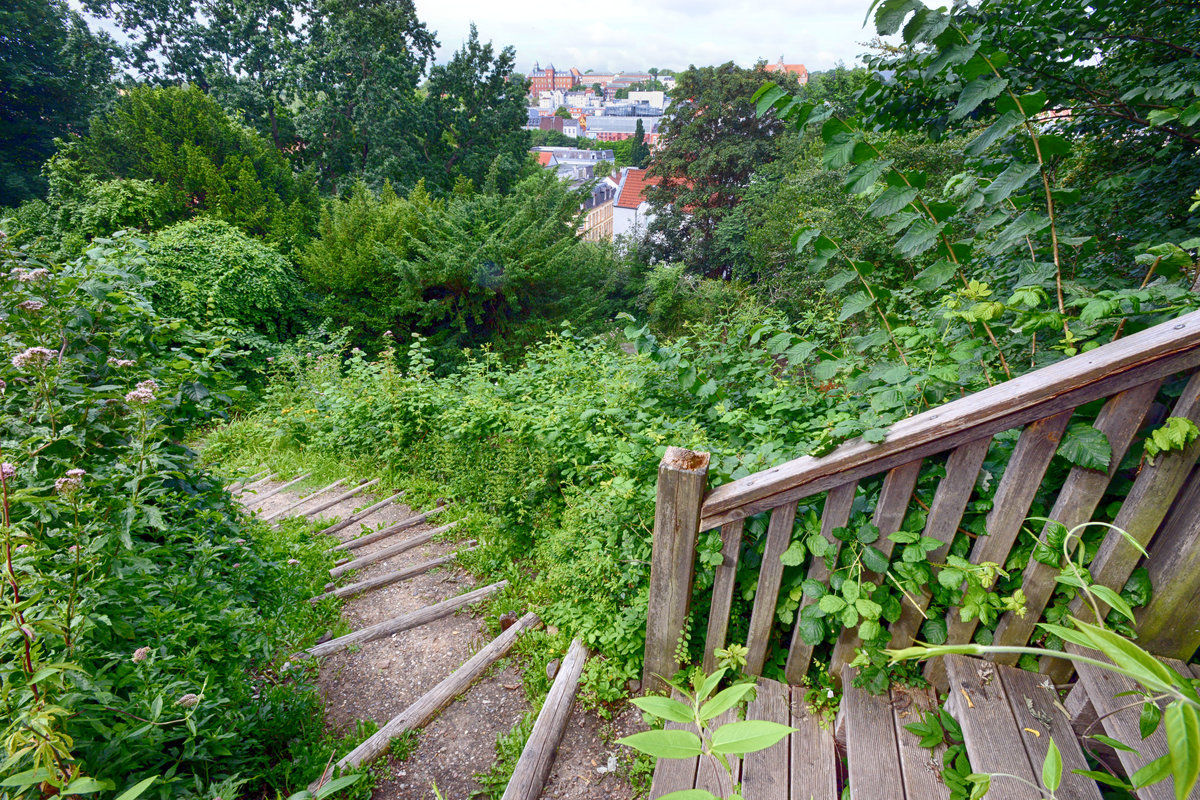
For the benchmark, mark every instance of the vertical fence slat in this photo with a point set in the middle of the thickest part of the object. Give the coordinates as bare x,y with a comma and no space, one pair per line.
946,511
836,515
722,594
682,476
889,515
1010,505
1174,566
779,536
1082,491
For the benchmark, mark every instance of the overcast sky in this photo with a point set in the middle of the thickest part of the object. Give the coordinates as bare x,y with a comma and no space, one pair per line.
638,34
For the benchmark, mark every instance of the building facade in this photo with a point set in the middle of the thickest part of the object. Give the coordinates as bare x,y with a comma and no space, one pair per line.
551,79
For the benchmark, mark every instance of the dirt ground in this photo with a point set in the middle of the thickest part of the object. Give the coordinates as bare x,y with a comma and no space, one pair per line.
380,679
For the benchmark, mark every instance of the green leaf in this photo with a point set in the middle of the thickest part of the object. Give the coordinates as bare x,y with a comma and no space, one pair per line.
1085,446
934,630
812,631
710,683
795,554
891,13
869,629
1161,116
1149,718
874,560
665,708
766,96
747,737
135,791
1028,223
935,275
813,588
865,175
1052,145
1182,724
831,604
855,304
1157,770
920,237
995,132
725,700
1113,600
86,786
690,794
1103,777
976,92
336,785
1030,104
1052,767
1113,743
666,743
892,200
839,150
1010,180
925,26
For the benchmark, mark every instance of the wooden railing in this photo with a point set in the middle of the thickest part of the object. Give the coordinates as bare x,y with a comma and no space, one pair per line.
1128,372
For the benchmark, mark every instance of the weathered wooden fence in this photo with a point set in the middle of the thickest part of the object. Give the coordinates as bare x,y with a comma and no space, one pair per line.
1162,509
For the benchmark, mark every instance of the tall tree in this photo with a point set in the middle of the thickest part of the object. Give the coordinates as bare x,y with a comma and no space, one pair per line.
362,64
712,144
639,153
53,72
475,116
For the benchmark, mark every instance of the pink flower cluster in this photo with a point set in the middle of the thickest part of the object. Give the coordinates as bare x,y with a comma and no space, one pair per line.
141,654
32,275
142,394
69,483
189,700
33,357
32,306
121,362
7,470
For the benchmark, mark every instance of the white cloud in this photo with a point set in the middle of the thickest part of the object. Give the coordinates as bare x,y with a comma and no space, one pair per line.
631,35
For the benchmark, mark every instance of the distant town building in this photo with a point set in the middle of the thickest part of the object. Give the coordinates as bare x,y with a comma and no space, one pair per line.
631,211
597,225
656,100
567,127
549,79
799,70
614,129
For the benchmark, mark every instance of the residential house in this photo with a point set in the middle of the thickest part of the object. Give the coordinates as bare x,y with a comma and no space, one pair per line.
597,225
798,70
631,211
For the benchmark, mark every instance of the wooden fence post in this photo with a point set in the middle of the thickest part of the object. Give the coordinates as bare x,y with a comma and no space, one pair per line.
682,479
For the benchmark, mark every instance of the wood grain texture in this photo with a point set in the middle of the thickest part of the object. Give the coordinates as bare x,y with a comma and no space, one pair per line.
533,767
390,578
722,592
1082,491
814,761
889,515
405,621
302,501
1174,567
945,512
872,755
1145,356
835,515
1015,493
682,478
765,773
1040,716
402,525
388,552
711,776
978,701
779,536
258,499
429,704
360,515
1119,719
333,501
921,768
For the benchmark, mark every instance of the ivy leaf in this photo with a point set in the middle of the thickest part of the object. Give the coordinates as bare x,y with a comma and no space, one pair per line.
1086,447
975,92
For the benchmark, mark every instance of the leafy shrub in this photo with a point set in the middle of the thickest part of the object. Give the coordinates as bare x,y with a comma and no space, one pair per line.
207,270
152,618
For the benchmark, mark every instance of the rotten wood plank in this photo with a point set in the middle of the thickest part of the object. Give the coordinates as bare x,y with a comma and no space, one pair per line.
836,514
360,515
722,592
402,525
388,552
814,761
1082,491
765,772
978,701
779,536
258,499
889,515
429,704
302,501
362,487
945,512
1015,493
1040,716
533,767
1174,566
1148,355
682,478
390,578
403,622
872,755
921,768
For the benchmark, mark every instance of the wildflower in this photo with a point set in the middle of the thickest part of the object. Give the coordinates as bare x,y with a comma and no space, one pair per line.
28,633
189,700
308,355
239,541
270,358
76,473
32,275
32,306
69,483
121,362
141,654
33,357
143,394
293,561
236,565
3,386
829,693
7,470
73,549
388,334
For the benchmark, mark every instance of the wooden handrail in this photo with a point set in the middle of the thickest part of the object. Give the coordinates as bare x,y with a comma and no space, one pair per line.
1151,354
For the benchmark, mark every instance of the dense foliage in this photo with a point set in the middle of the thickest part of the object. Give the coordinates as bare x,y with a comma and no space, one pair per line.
144,619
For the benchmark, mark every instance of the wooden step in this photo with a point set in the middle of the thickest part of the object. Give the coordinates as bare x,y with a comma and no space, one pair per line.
303,500
388,552
424,709
360,515
371,538
258,499
241,484
359,489
389,578
533,767
403,622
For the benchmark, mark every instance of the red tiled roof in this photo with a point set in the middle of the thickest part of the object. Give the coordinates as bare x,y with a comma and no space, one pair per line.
633,192
544,158
794,69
